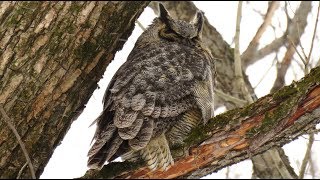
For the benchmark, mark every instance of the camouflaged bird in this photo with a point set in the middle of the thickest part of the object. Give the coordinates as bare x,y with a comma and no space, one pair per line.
162,91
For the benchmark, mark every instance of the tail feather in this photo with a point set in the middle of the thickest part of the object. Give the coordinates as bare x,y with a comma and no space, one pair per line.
102,139
107,141
97,160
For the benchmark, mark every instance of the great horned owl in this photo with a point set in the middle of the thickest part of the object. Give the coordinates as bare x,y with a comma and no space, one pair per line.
162,91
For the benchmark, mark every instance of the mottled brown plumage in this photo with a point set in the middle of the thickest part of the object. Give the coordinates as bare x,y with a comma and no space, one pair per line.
162,91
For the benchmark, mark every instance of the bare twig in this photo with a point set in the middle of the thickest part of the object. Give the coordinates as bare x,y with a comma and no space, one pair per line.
236,39
267,21
228,97
306,157
264,75
7,120
295,22
266,50
294,30
253,46
294,39
21,170
237,59
304,54
282,68
140,25
312,41
300,65
294,46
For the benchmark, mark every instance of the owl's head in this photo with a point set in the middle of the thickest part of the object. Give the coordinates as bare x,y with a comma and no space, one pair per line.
166,28
179,29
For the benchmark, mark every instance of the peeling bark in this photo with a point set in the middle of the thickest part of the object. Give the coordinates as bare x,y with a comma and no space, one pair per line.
52,54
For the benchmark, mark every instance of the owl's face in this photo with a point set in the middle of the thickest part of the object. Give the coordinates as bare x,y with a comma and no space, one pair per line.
179,30
165,28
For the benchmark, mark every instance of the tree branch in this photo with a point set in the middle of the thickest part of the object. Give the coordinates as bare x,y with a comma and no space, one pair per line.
295,29
282,69
237,59
312,41
254,44
306,157
238,134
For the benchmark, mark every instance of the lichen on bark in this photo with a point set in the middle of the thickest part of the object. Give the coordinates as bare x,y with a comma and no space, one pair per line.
52,55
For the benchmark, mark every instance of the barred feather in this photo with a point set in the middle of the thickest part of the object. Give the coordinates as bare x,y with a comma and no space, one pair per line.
157,153
97,160
102,138
131,131
124,118
144,135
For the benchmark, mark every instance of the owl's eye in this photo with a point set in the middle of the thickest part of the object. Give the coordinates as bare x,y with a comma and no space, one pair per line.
195,39
169,34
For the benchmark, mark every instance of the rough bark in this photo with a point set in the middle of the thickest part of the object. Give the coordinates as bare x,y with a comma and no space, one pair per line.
52,55
238,134
226,82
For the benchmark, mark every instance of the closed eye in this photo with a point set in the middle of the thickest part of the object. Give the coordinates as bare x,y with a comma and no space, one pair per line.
195,39
172,36
169,34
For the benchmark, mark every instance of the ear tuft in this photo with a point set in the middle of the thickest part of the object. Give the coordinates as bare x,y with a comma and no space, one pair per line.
199,21
164,14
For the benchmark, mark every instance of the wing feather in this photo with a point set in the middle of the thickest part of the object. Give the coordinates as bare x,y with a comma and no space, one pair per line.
143,136
124,117
131,131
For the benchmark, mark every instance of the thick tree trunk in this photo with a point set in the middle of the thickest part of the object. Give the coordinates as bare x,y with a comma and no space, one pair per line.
52,55
238,134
